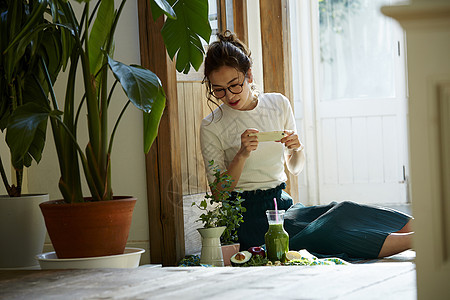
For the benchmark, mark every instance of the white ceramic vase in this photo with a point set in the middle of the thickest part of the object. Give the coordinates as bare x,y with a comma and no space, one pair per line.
22,231
211,253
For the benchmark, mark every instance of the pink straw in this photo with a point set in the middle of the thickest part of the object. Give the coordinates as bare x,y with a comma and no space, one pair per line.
276,208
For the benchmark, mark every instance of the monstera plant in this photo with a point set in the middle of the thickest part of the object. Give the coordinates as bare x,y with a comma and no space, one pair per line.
86,41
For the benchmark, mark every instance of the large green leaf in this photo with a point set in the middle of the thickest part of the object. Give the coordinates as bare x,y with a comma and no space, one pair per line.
29,38
141,86
51,51
191,54
160,7
4,94
36,147
145,91
25,134
151,124
183,35
22,35
64,17
100,33
3,32
19,49
62,14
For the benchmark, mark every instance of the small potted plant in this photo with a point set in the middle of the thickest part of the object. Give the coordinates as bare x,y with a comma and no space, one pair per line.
221,217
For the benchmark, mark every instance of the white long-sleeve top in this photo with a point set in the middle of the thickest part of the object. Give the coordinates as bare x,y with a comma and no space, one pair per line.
220,141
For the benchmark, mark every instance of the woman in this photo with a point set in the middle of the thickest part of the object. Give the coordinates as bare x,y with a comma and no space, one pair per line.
229,137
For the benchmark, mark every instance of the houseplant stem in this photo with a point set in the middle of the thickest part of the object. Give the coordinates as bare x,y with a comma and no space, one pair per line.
4,177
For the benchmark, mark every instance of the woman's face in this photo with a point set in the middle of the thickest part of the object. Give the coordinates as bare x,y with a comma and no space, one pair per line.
228,78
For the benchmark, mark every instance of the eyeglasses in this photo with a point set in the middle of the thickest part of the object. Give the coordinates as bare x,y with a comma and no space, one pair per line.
234,89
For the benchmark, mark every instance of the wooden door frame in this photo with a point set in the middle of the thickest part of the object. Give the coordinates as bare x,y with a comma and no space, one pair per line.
276,57
240,20
163,166
240,23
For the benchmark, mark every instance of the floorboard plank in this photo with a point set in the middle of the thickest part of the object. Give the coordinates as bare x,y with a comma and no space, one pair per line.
402,286
355,281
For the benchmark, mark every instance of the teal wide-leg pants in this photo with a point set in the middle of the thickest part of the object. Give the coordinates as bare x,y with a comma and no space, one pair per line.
344,229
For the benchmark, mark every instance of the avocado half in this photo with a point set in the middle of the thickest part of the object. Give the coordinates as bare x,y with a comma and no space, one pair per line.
240,258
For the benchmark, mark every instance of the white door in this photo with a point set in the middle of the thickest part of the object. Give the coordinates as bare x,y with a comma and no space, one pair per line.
359,110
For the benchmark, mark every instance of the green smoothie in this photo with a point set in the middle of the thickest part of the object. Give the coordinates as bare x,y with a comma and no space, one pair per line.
277,243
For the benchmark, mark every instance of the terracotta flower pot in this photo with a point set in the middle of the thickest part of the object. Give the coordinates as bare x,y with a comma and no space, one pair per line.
88,229
228,251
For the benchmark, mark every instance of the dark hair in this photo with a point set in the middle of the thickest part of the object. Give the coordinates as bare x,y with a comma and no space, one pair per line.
229,51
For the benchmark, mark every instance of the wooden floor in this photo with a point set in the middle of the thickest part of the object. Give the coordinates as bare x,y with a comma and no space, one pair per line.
393,278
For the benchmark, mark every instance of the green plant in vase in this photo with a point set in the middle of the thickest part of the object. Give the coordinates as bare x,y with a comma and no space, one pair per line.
221,210
87,43
22,229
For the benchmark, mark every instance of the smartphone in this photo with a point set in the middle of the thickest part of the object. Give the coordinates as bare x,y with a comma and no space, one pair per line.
269,136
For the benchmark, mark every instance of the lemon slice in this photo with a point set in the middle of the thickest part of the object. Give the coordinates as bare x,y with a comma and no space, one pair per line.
291,255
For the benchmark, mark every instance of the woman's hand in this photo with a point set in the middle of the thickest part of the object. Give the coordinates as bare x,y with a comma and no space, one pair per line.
295,158
291,140
248,143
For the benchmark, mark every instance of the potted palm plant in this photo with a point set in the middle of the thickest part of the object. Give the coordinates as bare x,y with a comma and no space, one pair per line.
87,42
20,79
221,217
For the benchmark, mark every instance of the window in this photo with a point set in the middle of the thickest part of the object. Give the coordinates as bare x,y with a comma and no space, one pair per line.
356,57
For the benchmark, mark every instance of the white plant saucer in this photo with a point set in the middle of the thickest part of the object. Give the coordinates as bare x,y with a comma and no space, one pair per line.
128,260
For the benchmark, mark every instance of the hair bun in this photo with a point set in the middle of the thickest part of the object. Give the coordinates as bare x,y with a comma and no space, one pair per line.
230,37
227,36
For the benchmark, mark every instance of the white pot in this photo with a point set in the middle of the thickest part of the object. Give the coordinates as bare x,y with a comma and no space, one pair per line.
211,249
22,231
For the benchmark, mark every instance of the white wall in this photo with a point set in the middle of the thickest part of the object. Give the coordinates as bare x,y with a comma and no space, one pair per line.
128,159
